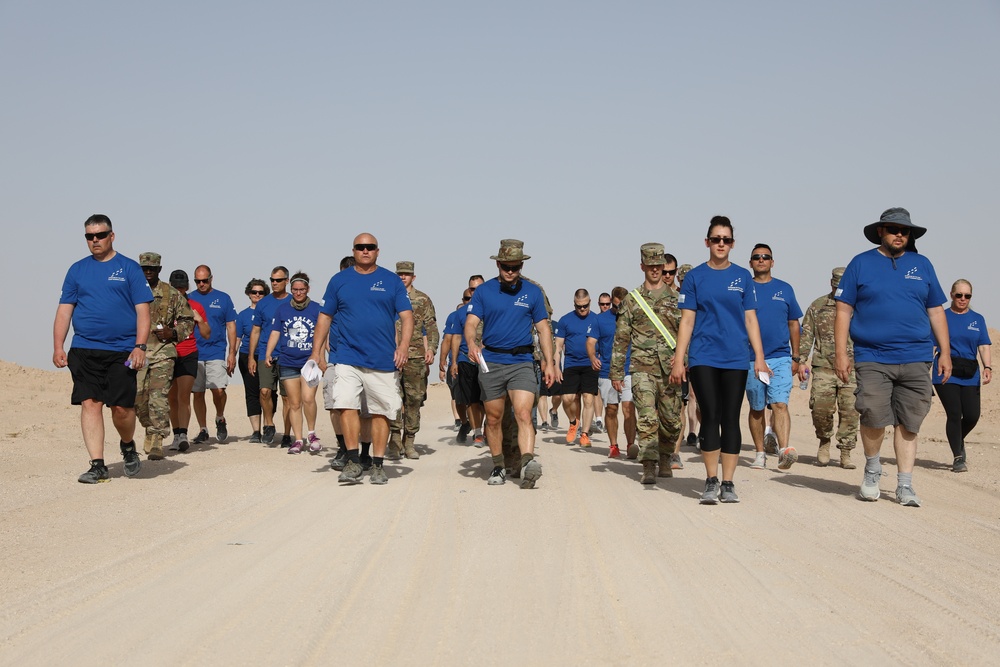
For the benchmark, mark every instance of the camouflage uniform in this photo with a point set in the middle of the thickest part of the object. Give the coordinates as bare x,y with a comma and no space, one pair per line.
169,308
828,395
413,377
657,402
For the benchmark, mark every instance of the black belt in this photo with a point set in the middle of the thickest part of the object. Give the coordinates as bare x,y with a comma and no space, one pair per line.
520,349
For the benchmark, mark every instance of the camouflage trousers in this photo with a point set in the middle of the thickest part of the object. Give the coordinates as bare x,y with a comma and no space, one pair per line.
413,390
151,403
658,414
828,397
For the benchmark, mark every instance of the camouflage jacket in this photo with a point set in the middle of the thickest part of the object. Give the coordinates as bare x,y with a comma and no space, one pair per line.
650,353
424,322
537,354
817,333
170,308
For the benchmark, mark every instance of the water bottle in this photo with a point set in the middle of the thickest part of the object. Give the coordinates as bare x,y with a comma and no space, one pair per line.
805,383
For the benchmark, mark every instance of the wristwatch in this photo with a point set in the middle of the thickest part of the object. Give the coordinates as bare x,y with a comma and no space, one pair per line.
141,346
795,359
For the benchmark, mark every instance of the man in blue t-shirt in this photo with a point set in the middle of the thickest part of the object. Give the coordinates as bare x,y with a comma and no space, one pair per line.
576,353
268,375
509,307
215,364
106,298
365,301
889,302
607,324
778,316
464,374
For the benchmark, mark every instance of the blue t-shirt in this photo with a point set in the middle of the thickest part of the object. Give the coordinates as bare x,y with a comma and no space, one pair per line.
455,325
365,307
297,327
508,318
720,297
890,300
263,316
104,296
575,330
776,306
244,325
220,310
607,322
966,332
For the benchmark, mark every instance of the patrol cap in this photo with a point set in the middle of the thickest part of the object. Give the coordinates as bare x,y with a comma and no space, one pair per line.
652,254
404,267
682,271
838,272
511,250
149,259
179,279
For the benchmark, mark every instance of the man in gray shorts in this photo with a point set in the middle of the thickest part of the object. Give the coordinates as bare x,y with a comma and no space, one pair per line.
508,307
889,302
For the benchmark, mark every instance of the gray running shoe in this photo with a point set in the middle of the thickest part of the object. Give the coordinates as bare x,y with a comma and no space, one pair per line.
497,477
787,457
132,463
202,437
712,491
351,474
268,435
728,494
255,438
379,476
173,445
770,443
869,485
530,474
182,443
95,475
340,460
759,461
959,465
554,419
675,462
906,496
221,432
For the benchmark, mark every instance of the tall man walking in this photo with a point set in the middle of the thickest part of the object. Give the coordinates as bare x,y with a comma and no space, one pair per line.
215,363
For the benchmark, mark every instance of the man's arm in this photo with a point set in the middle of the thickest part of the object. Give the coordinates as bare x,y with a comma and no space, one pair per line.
254,339
545,342
939,325
233,347
793,335
143,322
60,329
595,363
321,332
403,347
804,349
471,322
841,332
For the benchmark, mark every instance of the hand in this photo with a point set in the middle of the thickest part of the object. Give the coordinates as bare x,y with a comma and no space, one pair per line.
59,359
548,376
401,355
429,357
252,365
164,335
618,385
595,364
986,375
804,371
842,367
474,353
137,359
230,365
453,371
678,373
944,367
270,361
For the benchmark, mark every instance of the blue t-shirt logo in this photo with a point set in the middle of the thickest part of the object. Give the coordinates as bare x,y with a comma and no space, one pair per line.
522,301
778,296
377,287
117,275
974,325
736,285
912,274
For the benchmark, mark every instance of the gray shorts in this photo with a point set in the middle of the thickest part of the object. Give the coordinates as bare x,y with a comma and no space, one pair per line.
507,377
891,394
211,375
268,376
612,397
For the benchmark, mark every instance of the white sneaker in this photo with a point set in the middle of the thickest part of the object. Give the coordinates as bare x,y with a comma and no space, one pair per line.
759,461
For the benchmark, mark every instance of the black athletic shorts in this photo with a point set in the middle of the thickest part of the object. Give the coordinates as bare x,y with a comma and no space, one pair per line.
580,380
101,375
187,365
466,390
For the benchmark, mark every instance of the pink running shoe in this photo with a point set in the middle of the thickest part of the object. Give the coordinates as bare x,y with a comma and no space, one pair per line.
296,447
315,446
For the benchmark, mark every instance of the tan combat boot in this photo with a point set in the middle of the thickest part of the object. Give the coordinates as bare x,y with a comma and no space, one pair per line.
155,444
394,451
649,472
665,469
823,455
147,444
408,448
845,460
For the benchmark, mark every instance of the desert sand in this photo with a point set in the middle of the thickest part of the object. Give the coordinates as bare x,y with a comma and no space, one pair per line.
241,554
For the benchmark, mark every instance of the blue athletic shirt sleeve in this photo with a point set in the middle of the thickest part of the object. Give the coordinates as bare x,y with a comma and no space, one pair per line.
244,325
776,307
720,299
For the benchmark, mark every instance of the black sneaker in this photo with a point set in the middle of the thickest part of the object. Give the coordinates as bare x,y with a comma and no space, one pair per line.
463,432
132,463
340,460
554,419
458,424
366,462
221,432
692,439
268,435
95,475
286,441
255,438
201,438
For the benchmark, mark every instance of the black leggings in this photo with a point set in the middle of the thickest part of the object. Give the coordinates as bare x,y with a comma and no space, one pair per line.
251,386
720,395
961,404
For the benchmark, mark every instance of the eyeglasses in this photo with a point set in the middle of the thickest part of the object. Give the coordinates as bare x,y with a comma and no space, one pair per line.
581,306
278,280
370,247
959,295
202,281
97,235
604,304
671,272
511,268
257,292
893,230
766,258
466,298
715,240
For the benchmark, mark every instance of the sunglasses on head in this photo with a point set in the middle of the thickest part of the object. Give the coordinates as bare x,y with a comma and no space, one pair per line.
893,230
959,295
715,240
511,268
370,247
766,258
97,235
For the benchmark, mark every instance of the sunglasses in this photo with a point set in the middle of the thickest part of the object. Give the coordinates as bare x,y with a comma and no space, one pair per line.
370,247
959,295
893,230
766,258
258,292
202,281
671,272
603,304
97,235
278,280
511,268
466,298
715,240
584,306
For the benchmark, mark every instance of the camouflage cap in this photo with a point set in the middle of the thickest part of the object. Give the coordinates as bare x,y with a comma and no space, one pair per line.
511,250
149,259
404,267
652,254
682,271
838,272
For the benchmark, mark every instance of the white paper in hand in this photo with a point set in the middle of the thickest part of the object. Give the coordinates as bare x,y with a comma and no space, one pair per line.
482,363
764,377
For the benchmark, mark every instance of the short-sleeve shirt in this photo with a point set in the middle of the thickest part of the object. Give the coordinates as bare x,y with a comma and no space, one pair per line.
890,298
967,332
575,330
263,316
720,297
189,345
607,323
365,307
776,307
104,296
298,328
508,318
454,324
220,310
244,325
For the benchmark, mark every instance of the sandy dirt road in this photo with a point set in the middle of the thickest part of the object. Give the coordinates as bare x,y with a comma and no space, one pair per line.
242,554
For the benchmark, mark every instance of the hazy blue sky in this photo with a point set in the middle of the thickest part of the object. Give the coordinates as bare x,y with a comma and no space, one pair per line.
249,134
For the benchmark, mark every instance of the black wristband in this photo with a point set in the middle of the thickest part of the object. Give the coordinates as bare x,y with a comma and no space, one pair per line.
988,368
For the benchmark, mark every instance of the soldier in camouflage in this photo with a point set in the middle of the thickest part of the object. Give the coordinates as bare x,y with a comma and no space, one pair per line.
171,321
413,376
828,396
657,402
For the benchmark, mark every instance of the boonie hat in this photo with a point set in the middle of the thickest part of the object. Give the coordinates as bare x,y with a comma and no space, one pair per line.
682,271
652,254
511,250
895,216
149,259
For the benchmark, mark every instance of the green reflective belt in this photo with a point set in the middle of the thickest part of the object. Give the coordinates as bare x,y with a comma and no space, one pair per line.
671,343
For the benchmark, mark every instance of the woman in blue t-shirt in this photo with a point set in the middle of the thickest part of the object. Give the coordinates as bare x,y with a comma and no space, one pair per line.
292,332
255,290
960,395
719,321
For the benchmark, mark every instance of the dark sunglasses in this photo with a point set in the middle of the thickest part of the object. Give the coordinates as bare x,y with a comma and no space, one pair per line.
466,298
511,268
715,240
959,295
97,235
278,280
766,258
202,281
258,292
584,306
893,230
671,272
371,247
603,304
